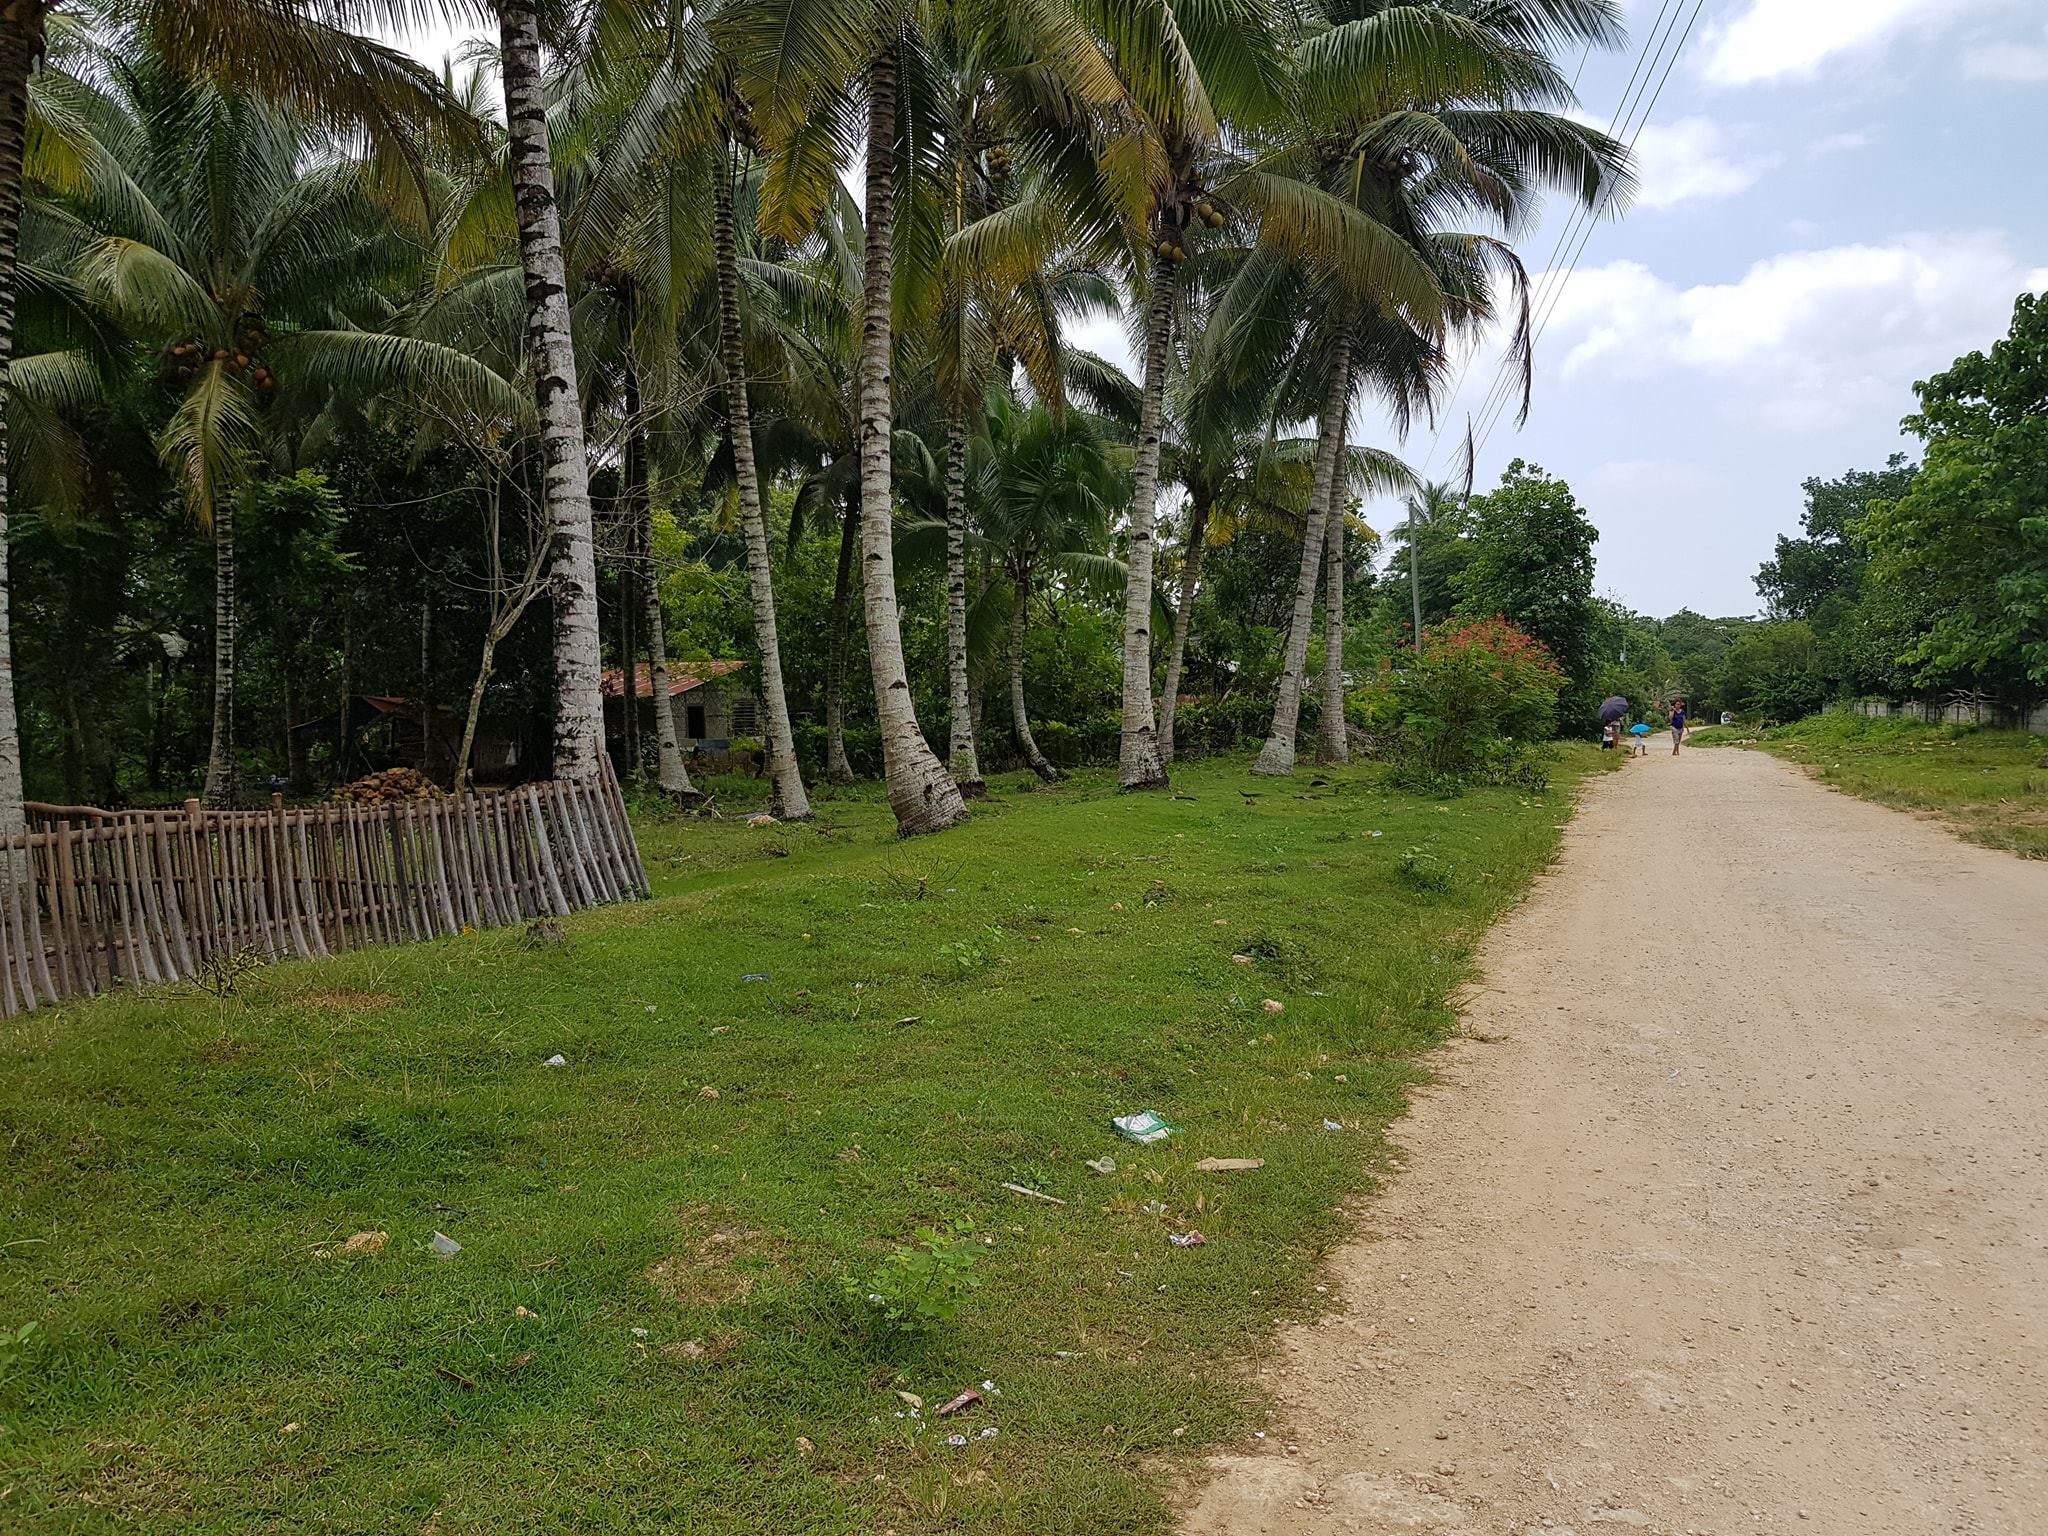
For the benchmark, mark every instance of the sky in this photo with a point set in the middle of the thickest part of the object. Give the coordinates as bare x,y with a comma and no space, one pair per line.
1839,197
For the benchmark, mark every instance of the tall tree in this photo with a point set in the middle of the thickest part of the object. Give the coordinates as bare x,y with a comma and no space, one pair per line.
1971,533
1400,117
1824,569
1187,70
1532,564
795,61
21,43
257,294
286,50
579,701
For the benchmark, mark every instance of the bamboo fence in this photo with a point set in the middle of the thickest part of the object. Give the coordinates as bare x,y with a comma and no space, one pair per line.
92,899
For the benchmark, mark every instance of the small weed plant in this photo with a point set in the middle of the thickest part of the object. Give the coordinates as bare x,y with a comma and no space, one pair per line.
1422,870
922,1284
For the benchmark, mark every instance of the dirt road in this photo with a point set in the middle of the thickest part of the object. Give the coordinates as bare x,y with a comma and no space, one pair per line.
1733,1215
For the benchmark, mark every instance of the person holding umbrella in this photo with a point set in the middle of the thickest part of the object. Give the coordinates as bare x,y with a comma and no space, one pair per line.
1613,711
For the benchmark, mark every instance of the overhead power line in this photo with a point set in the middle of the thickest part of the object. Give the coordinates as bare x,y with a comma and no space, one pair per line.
1662,46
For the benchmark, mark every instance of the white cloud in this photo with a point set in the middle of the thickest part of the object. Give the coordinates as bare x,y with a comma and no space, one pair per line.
1839,144
1691,160
1805,340
2024,62
1791,39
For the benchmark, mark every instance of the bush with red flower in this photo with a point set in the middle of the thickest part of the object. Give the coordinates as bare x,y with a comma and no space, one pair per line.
1471,707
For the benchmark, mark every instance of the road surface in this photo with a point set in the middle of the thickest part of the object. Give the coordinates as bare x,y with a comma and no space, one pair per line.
1729,1215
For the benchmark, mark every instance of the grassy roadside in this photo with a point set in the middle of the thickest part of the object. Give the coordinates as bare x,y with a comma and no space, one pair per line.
646,1326
1989,786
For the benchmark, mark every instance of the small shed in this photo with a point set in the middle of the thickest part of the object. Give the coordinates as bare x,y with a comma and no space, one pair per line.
712,700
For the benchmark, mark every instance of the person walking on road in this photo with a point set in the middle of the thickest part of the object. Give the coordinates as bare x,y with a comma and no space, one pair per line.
1677,726
1613,710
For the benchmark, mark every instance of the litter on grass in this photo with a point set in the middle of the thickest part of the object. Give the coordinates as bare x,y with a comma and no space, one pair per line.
1034,1194
960,1404
1333,1125
755,976
1104,1165
445,1246
1187,1239
1229,1164
1144,1128
556,1060
1273,1005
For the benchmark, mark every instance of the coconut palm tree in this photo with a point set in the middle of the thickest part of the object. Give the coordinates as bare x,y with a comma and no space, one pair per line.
657,74
261,294
289,51
795,61
1199,78
579,702
1405,116
1040,484
1436,506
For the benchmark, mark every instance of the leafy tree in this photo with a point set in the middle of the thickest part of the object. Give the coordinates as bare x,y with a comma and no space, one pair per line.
1970,534
1532,564
284,266
289,52
1772,672
1818,576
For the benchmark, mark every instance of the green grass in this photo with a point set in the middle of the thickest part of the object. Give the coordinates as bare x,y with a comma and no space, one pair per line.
178,1169
1989,786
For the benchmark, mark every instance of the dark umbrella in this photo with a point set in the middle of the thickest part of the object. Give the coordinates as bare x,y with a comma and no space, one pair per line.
1613,709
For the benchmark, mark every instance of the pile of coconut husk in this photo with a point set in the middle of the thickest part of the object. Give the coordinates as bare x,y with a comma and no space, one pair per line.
386,787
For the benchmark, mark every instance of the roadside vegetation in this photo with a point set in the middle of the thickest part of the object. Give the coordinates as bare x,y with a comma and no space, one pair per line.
814,1044
1990,786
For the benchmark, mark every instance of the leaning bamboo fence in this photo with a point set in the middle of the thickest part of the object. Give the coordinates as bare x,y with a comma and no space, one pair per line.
92,899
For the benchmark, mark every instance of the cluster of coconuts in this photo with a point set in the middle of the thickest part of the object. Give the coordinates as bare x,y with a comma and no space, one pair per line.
188,357
1203,212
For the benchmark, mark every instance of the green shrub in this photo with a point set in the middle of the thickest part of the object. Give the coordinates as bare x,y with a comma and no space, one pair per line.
1470,708
920,1286
1422,870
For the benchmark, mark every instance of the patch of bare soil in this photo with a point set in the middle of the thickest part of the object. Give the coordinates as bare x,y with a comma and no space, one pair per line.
717,1262
349,1000
1738,1224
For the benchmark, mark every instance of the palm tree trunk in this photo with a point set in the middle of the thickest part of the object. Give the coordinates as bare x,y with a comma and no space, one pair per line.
579,707
298,768
1415,577
1333,735
921,792
1277,756
961,757
838,768
791,803
21,40
1020,722
629,661
1183,620
1138,762
219,792
671,773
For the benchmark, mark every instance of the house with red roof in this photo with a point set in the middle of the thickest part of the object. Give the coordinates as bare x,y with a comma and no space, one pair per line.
714,702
